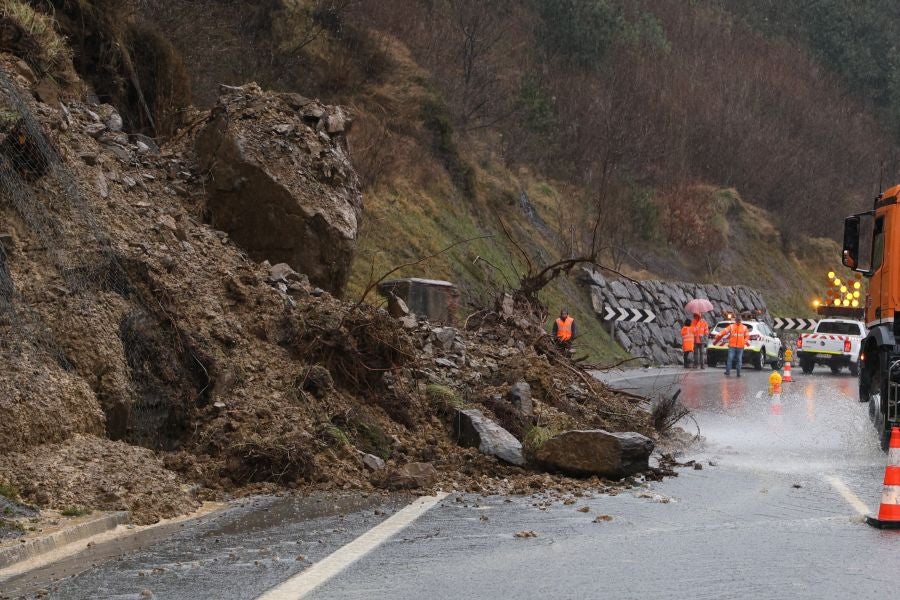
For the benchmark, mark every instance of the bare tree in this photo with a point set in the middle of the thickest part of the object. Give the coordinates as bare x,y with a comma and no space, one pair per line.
299,23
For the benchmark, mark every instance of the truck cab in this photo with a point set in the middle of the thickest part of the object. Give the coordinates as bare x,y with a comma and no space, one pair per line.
872,247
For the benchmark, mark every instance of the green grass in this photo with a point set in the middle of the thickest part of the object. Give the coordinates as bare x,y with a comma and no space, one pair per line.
593,340
537,436
398,229
755,256
42,28
9,491
443,398
337,435
76,511
373,439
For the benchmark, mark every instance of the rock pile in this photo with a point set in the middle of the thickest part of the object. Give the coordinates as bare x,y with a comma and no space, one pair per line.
659,342
217,373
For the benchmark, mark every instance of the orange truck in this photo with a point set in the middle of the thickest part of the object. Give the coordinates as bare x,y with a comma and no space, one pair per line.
872,247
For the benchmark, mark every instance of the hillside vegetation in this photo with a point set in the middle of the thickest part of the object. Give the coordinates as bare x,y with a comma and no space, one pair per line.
520,125
854,40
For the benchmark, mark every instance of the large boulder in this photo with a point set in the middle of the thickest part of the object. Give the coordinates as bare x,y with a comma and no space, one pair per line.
412,475
594,452
474,430
280,181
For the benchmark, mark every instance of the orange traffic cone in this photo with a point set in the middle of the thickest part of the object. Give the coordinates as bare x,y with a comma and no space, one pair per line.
889,511
787,371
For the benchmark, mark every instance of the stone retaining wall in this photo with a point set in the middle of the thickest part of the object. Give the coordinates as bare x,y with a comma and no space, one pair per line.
660,342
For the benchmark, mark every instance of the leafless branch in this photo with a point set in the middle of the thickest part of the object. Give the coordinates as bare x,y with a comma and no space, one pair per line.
480,258
515,243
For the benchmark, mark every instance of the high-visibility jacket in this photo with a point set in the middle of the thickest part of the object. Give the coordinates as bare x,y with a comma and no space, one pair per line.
738,335
687,339
564,329
700,328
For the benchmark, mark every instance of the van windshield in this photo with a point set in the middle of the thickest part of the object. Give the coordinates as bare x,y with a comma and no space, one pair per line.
839,327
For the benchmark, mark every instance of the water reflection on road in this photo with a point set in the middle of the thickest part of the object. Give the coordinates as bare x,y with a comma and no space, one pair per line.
817,419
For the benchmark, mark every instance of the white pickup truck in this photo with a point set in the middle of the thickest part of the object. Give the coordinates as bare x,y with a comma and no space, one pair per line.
835,342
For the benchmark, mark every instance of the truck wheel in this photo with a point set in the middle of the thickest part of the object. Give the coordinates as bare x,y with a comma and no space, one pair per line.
807,365
877,397
711,362
854,369
760,359
865,380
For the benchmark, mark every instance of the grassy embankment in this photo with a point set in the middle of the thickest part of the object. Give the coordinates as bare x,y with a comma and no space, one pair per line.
435,191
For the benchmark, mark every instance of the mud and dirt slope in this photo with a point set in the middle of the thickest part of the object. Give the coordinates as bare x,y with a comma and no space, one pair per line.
150,361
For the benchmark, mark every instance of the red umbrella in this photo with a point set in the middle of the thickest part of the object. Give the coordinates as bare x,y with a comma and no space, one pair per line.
699,306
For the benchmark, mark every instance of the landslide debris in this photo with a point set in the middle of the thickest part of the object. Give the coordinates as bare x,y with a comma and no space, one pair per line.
280,181
174,366
100,474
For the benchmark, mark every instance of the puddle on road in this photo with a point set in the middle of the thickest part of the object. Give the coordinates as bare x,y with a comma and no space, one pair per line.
265,511
816,424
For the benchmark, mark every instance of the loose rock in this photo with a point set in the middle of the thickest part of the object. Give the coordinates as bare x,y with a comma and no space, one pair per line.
373,462
473,429
525,534
595,452
520,396
412,476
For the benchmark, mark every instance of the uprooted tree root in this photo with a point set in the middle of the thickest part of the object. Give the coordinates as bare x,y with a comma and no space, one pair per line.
361,348
357,345
667,413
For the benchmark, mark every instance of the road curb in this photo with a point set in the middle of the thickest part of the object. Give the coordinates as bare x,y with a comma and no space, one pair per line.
640,374
41,545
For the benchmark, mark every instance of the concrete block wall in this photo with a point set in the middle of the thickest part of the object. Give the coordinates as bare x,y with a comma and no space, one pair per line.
660,342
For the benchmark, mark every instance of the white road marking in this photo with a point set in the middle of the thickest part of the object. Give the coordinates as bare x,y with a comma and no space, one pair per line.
852,499
332,565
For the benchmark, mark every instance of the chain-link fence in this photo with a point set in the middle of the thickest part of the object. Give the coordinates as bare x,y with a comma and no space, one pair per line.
37,186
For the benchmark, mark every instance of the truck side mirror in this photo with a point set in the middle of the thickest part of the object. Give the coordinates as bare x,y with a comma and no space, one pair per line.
850,255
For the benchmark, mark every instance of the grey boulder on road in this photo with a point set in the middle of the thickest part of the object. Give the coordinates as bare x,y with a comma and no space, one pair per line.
595,452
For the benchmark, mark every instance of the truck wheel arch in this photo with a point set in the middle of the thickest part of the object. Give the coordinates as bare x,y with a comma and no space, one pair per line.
870,349
878,337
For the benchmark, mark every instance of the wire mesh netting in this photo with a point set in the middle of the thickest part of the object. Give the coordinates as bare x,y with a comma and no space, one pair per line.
38,187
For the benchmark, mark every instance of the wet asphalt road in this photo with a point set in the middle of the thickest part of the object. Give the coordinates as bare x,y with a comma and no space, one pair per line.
765,520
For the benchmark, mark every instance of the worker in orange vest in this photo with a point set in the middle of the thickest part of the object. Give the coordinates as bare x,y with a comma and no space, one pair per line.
564,329
687,343
700,328
738,337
